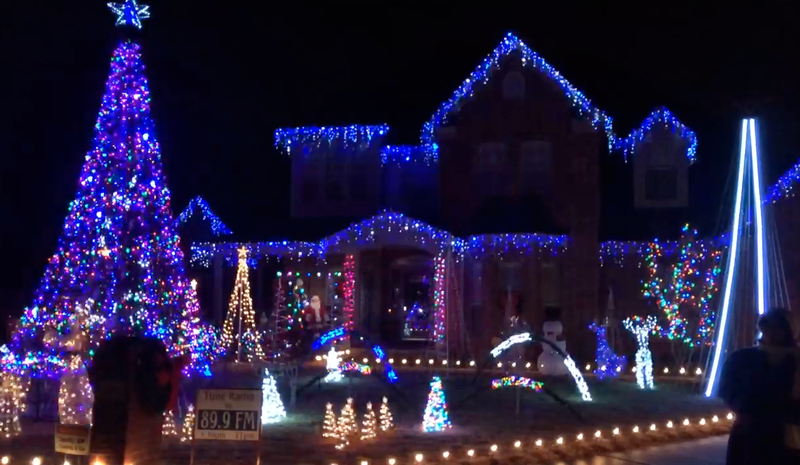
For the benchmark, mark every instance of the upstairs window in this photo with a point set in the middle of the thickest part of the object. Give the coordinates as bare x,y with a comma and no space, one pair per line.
514,87
661,185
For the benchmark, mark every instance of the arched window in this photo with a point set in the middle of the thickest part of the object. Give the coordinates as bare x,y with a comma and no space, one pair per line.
514,87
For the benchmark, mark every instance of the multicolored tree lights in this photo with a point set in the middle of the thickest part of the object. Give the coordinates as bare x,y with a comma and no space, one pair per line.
685,295
240,310
641,328
609,364
118,259
436,417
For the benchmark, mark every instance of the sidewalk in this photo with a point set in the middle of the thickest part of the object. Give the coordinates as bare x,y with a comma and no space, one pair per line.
710,451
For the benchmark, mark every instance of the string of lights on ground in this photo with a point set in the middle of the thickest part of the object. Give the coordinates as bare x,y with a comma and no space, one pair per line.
669,429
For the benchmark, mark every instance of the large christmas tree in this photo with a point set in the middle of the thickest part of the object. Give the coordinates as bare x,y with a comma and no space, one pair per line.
118,261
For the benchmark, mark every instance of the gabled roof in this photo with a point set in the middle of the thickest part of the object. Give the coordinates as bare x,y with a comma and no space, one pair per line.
664,117
785,185
218,228
530,59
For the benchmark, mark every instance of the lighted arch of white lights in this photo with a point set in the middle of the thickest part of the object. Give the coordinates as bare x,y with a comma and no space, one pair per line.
568,362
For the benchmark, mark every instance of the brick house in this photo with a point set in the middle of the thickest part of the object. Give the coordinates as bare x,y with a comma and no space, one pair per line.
509,169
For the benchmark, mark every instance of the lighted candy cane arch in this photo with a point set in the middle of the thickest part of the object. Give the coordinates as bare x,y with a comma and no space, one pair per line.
526,338
641,328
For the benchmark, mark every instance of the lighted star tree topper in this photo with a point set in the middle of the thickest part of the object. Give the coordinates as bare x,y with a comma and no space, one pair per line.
130,13
119,255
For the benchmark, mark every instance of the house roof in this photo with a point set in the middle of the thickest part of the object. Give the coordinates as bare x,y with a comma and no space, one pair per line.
386,228
218,228
530,59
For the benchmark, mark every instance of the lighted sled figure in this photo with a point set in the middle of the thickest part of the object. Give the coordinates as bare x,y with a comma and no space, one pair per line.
333,365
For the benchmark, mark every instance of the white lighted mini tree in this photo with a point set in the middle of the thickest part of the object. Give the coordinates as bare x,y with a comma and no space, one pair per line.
240,324
329,423
12,404
369,427
75,395
272,410
387,420
641,328
188,425
168,428
346,426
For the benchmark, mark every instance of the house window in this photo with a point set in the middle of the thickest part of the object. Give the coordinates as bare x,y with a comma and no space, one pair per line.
477,283
309,191
511,276
334,182
514,87
661,185
490,169
358,187
537,164
550,284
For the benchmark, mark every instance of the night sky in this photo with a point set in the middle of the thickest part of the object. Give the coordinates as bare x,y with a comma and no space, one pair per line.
224,77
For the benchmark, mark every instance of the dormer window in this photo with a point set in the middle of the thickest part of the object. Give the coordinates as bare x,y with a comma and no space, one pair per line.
514,87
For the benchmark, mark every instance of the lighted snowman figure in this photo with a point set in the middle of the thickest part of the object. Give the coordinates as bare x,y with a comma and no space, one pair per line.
550,362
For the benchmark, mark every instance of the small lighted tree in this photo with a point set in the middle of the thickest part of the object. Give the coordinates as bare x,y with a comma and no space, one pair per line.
329,423
187,433
369,427
75,395
387,420
641,328
435,417
272,410
12,404
346,427
240,323
168,428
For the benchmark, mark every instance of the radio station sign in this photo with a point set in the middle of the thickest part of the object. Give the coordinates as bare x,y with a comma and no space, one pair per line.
72,439
228,414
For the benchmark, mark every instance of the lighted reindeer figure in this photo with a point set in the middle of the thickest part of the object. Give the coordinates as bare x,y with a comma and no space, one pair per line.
609,364
642,328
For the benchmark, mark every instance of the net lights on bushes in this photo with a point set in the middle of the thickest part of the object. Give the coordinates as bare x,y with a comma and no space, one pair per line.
691,285
518,381
218,228
641,328
240,310
436,417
